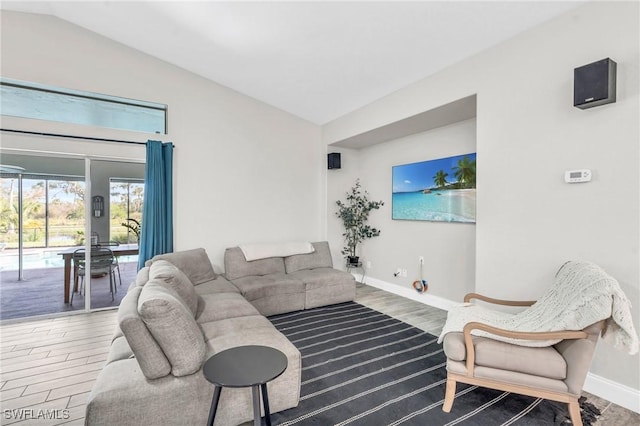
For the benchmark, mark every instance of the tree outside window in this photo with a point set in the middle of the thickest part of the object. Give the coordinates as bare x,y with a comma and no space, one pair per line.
52,211
126,209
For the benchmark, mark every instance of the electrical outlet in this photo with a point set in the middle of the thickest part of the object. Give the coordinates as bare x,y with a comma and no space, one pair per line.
404,273
368,264
421,260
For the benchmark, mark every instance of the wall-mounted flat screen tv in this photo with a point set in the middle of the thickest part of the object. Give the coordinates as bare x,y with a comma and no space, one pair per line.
440,190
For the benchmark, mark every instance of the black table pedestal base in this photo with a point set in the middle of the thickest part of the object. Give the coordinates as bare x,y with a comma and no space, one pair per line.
214,404
255,393
265,402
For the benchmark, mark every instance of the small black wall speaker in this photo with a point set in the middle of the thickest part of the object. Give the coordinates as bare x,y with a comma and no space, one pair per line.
594,84
333,160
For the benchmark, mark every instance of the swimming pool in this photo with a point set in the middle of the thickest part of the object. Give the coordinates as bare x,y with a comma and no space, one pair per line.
41,258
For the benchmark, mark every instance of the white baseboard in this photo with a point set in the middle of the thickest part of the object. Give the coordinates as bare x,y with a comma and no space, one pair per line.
615,392
409,293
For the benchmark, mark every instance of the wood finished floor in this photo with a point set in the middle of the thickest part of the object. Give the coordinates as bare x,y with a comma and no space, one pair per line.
51,364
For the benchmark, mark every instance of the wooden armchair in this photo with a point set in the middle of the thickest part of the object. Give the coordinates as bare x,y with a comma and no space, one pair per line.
554,372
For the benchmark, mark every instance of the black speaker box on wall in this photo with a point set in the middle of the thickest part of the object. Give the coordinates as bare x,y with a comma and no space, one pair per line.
594,84
333,160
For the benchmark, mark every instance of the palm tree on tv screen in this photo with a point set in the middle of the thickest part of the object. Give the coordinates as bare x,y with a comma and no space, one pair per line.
440,179
465,172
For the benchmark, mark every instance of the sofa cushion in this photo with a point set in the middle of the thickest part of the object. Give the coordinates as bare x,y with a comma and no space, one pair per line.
132,284
194,263
326,286
218,306
235,326
172,276
253,288
543,362
174,328
273,294
236,266
513,377
143,276
219,285
119,350
322,277
320,258
284,391
152,360
118,332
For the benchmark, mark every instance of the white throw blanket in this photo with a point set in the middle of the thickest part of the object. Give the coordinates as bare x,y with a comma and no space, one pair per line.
263,251
582,294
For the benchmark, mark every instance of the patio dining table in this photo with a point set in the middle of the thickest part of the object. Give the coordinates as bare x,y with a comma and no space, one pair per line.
121,250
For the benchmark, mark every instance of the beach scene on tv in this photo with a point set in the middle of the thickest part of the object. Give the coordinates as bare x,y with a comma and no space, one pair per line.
442,190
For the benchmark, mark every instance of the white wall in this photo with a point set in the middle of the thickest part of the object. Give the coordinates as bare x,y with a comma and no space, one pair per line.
528,133
243,171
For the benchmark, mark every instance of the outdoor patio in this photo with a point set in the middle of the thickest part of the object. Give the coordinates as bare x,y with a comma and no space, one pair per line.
42,292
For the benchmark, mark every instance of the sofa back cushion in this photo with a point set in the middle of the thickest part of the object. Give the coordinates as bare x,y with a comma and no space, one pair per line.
143,276
319,258
167,273
153,363
174,328
194,263
236,266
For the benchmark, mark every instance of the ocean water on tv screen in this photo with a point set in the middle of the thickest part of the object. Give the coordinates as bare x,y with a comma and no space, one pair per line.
446,206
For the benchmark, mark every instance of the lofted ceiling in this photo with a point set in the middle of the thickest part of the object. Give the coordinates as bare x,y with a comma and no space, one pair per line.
316,60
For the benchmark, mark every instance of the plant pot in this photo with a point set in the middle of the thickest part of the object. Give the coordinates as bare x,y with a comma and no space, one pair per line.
353,260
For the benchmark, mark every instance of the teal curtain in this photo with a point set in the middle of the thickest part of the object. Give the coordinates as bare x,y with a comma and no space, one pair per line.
156,236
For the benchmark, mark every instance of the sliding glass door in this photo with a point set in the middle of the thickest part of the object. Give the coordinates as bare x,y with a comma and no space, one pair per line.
50,226
117,188
41,216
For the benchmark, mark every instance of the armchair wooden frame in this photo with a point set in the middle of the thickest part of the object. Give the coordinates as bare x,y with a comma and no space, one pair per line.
469,378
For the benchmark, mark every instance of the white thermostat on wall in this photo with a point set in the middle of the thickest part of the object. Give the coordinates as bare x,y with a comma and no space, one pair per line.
577,176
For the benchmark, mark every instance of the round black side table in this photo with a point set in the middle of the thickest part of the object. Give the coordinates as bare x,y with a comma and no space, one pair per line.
241,367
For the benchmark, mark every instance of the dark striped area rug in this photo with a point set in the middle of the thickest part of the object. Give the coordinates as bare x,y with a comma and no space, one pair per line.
362,367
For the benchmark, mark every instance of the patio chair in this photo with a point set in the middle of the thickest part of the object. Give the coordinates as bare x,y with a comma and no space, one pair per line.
102,263
115,258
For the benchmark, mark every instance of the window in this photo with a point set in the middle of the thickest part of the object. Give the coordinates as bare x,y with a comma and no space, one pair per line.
37,101
52,210
125,209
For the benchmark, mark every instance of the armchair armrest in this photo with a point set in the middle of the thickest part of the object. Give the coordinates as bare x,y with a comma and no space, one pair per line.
470,296
547,335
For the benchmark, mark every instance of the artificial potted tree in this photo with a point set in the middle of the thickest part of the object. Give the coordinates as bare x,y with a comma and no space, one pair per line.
354,213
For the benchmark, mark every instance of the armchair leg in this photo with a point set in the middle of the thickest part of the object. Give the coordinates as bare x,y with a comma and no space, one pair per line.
574,413
449,394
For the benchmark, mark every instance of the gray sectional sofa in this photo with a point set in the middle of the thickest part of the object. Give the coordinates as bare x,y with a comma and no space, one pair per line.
179,312
277,285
